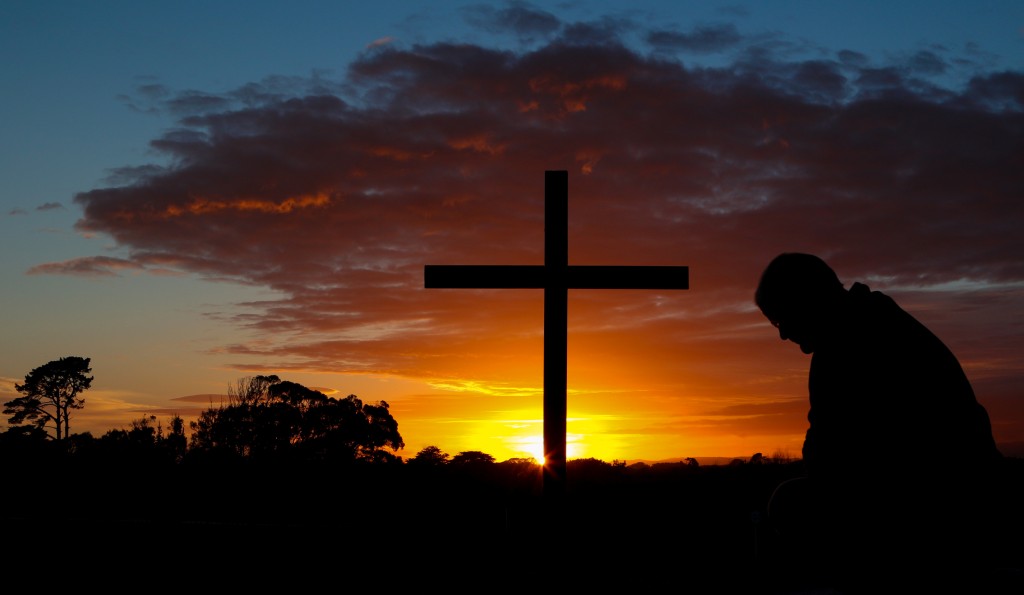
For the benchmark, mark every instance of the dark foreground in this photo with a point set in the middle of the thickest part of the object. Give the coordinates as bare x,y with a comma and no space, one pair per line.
387,528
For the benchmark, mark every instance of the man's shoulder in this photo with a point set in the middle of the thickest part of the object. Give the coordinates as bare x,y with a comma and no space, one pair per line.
861,290
867,299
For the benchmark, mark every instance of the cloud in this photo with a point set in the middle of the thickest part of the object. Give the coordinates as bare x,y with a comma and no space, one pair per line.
90,266
383,41
522,19
210,399
928,63
50,206
701,39
336,193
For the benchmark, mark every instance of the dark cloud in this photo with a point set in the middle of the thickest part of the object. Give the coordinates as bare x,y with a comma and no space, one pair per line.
337,193
702,39
452,125
121,176
146,96
999,91
852,58
606,30
193,102
928,63
525,21
50,206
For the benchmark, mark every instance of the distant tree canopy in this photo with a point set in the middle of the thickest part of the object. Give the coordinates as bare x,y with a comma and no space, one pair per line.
431,456
471,457
146,441
267,418
49,394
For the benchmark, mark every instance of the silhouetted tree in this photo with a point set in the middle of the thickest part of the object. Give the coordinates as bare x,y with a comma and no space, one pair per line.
81,444
252,425
140,437
21,445
431,456
142,443
267,418
520,461
520,465
588,468
144,431
176,443
17,434
471,457
50,392
380,427
588,463
252,390
780,457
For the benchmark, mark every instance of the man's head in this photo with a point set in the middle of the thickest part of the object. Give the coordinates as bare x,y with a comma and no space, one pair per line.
796,293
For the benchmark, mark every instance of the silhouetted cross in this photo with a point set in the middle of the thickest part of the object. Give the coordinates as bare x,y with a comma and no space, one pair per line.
556,277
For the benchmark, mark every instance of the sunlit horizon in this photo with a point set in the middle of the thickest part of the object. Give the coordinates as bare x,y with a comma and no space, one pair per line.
505,434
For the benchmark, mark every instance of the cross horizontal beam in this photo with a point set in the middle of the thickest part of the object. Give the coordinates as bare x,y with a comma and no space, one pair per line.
469,276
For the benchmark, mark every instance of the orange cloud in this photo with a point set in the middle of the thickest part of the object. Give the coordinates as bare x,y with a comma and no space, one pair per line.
201,206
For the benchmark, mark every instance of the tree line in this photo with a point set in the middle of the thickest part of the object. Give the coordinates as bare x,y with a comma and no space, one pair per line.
264,419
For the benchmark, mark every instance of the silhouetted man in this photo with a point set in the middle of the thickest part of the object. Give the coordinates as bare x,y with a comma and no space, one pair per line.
898,453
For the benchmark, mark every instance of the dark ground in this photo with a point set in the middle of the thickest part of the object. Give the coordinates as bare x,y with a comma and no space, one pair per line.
487,529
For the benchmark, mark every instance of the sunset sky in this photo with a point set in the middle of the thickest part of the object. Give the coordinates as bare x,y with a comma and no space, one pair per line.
195,192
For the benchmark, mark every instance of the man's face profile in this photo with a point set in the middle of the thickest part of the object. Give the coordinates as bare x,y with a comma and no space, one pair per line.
798,293
795,328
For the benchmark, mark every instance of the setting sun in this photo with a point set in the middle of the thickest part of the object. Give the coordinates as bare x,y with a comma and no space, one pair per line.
534,447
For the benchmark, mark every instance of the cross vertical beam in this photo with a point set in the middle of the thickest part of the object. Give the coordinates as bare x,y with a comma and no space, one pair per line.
556,278
556,323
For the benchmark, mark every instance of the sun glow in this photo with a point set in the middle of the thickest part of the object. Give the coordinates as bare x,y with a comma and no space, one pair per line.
535,447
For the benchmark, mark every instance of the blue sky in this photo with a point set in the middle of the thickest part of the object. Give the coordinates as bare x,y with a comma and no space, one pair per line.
90,86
